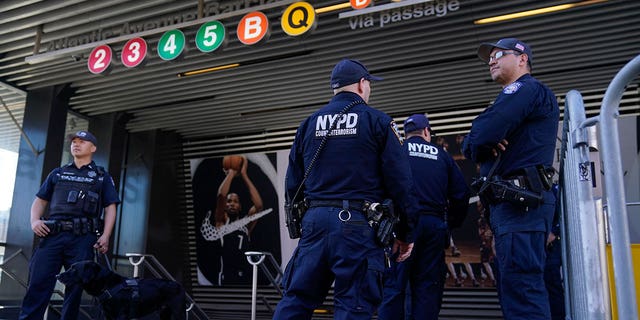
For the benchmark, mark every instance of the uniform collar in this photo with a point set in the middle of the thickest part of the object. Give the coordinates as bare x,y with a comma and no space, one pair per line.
91,165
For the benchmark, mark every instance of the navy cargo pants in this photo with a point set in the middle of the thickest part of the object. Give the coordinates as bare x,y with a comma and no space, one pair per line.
336,247
53,252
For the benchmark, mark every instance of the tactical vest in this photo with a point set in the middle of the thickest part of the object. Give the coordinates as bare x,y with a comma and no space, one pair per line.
77,192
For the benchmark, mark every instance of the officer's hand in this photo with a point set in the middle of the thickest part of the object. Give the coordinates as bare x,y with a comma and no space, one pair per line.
405,249
102,244
550,238
39,228
501,146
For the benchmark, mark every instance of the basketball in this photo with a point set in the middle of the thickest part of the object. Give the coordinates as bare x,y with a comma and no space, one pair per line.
232,162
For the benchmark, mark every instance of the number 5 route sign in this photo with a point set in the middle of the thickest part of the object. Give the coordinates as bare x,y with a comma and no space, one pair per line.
171,44
100,59
210,36
134,52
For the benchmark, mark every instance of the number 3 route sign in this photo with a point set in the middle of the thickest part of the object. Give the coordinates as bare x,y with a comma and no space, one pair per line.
100,59
134,52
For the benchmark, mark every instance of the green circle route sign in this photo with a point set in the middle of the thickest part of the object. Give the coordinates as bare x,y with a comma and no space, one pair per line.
210,36
171,44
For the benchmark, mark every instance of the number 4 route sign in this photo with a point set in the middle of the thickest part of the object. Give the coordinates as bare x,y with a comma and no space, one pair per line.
171,44
100,59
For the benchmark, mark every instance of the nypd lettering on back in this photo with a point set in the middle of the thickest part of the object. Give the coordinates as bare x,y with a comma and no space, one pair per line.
423,151
346,125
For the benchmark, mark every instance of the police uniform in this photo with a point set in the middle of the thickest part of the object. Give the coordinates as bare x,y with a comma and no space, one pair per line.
526,114
362,160
75,196
440,189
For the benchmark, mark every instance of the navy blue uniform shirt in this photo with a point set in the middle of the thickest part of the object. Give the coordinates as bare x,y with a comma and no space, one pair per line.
437,178
363,159
526,114
87,174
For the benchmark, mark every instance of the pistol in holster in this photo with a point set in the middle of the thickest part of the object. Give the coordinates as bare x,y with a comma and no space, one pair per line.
294,213
382,219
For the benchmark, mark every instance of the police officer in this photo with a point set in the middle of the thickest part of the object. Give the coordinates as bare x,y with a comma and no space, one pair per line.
75,194
443,198
514,141
362,161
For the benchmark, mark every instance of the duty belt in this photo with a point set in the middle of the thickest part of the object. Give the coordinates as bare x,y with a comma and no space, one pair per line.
352,204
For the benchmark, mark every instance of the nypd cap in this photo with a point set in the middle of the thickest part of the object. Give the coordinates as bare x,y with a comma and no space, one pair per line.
416,122
349,71
86,136
484,51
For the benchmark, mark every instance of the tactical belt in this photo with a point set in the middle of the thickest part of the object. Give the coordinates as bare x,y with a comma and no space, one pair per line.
76,225
351,204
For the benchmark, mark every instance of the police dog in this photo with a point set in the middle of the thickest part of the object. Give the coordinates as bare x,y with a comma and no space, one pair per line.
126,298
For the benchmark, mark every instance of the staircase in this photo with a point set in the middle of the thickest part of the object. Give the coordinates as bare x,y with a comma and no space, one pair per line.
235,303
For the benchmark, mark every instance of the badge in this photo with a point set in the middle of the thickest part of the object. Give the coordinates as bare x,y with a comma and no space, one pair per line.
92,174
394,128
512,88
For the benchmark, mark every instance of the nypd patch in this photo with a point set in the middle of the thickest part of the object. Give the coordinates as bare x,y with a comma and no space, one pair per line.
512,88
394,128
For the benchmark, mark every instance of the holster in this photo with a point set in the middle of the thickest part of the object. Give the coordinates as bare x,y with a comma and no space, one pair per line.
294,213
502,190
383,220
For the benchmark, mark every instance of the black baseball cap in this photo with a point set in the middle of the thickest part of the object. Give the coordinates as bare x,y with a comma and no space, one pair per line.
86,136
349,71
484,51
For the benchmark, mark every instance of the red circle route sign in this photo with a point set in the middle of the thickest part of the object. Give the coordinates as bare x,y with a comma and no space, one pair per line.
134,52
100,59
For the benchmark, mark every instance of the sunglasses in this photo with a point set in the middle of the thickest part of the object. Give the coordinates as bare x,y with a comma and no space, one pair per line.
500,54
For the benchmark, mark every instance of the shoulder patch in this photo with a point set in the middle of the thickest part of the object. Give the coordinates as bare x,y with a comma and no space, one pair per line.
396,132
512,88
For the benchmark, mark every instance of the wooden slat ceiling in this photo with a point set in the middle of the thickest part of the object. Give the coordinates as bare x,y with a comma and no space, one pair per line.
429,63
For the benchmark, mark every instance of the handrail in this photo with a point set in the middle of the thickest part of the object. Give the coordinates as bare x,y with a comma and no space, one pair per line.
137,259
620,243
275,281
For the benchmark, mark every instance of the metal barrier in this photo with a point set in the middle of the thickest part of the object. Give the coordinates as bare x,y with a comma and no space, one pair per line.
584,252
620,244
584,246
155,267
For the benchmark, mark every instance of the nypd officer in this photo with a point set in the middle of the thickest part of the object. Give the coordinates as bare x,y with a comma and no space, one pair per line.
75,194
362,161
443,198
514,141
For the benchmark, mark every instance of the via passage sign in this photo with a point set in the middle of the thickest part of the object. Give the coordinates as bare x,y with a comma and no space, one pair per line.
134,52
171,44
100,59
210,36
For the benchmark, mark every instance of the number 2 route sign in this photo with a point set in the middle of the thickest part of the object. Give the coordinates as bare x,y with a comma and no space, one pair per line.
100,59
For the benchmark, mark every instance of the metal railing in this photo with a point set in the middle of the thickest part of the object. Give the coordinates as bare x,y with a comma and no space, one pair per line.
257,258
155,267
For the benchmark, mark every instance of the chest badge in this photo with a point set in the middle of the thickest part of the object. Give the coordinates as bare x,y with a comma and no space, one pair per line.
512,88
92,174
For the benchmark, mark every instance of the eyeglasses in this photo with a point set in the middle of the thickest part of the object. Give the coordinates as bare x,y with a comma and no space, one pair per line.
500,54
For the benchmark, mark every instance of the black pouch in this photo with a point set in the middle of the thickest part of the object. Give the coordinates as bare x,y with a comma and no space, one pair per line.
54,226
90,204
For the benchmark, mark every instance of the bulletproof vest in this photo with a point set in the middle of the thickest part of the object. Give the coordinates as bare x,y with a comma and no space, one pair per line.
76,192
